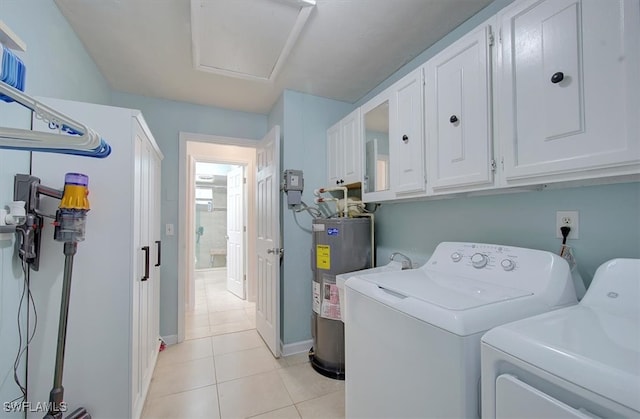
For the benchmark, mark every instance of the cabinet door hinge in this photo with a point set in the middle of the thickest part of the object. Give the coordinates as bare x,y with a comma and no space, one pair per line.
500,35
244,180
493,165
502,163
244,228
491,39
244,277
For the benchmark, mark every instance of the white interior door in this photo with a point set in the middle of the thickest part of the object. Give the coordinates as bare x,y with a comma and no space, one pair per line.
235,232
191,227
268,239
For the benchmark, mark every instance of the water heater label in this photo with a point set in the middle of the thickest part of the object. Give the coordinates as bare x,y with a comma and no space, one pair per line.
316,297
333,231
323,256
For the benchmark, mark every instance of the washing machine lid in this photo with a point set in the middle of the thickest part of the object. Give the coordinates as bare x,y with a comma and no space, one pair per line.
454,303
595,349
450,292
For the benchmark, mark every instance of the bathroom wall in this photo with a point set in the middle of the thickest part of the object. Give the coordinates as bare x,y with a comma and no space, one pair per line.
213,220
57,66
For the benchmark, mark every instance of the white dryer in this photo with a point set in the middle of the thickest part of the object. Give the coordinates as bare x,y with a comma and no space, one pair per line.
578,362
412,338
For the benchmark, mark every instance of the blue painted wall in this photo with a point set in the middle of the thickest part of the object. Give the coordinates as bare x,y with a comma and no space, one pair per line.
167,119
609,223
57,66
306,119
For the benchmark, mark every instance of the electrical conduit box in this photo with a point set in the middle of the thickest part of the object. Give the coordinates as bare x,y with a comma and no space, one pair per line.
293,185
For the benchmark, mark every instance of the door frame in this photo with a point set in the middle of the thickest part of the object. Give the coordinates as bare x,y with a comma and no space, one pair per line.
228,150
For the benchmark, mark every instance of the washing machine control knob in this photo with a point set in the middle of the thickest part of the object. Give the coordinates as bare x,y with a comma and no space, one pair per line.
507,264
456,257
478,260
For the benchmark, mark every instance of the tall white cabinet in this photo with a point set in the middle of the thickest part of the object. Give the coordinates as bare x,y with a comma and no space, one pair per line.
113,328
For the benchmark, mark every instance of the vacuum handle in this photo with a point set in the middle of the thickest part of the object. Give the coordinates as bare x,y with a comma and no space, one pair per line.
159,244
145,249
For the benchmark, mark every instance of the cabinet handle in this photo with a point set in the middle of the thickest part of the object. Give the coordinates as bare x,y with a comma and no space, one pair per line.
145,249
159,244
453,119
405,138
557,77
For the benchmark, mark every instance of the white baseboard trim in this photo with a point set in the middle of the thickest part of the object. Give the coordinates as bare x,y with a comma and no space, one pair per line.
170,340
295,347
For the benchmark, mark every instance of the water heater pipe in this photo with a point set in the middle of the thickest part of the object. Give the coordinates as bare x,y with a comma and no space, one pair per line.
344,191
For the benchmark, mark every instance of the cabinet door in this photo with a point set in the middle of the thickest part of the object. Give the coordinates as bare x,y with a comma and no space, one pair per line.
334,156
351,143
137,341
407,139
458,116
568,87
376,153
145,284
157,233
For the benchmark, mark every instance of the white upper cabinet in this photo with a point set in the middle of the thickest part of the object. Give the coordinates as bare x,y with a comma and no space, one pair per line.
334,162
567,98
393,140
351,143
344,141
406,138
458,114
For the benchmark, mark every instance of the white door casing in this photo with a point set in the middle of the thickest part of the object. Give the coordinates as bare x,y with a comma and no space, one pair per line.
268,238
235,232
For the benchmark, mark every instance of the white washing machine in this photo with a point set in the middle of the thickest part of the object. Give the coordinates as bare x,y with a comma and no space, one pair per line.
578,362
412,338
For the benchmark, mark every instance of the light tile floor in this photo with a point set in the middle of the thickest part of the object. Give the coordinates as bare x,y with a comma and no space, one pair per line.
224,370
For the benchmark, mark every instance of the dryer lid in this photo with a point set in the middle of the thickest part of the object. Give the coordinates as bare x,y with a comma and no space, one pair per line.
592,348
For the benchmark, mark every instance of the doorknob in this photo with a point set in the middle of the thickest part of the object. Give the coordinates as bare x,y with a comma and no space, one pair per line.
276,250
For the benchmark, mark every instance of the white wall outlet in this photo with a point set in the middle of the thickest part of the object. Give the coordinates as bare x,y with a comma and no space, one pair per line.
169,230
568,219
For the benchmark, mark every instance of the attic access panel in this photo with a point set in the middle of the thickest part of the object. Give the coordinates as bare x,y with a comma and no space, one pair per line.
248,39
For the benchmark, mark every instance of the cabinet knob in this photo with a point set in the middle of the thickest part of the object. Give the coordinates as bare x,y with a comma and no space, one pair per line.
557,77
453,119
405,138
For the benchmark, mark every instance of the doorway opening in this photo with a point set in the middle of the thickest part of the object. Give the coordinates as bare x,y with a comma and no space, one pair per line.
260,233
219,303
219,287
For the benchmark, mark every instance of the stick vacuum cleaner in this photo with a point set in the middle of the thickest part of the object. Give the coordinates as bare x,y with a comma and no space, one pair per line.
69,229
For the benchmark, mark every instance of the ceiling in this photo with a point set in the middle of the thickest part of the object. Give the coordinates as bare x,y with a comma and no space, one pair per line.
241,54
